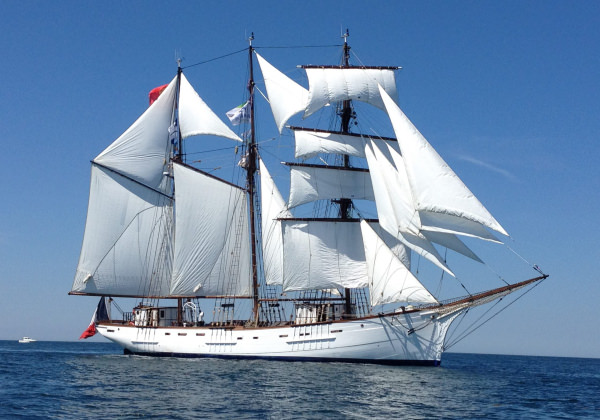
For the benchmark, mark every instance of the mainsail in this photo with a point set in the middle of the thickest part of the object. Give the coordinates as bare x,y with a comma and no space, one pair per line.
211,247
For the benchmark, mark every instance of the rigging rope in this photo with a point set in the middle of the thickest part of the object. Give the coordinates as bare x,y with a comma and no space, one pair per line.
467,332
301,46
534,266
216,58
246,49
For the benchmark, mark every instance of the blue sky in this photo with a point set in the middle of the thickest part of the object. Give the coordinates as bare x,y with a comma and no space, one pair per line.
506,91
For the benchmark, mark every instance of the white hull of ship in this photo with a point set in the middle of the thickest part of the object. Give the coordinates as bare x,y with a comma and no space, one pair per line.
401,338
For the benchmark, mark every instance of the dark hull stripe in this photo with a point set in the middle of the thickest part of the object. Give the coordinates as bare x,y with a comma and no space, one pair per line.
388,362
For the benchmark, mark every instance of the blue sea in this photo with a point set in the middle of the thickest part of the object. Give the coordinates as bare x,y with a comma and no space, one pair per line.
75,380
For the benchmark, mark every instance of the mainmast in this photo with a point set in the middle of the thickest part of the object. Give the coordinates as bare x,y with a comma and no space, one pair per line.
178,156
250,171
175,123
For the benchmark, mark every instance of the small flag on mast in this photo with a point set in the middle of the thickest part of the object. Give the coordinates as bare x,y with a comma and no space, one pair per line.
239,114
155,93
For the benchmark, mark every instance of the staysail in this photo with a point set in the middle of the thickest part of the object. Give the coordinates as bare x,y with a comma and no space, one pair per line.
389,279
435,186
273,208
286,97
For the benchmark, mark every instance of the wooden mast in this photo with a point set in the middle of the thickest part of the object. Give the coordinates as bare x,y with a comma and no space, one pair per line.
346,116
250,171
179,158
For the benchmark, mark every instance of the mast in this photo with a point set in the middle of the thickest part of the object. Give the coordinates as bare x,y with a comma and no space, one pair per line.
179,158
346,116
250,171
179,155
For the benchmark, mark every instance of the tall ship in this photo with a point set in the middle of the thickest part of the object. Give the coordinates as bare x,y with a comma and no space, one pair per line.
219,264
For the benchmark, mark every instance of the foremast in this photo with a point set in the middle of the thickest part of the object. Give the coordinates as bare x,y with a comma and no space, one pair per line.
346,115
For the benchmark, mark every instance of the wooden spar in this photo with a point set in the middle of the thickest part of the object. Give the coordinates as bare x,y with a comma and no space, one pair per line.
344,66
159,297
313,165
251,170
318,130
473,299
326,219
209,175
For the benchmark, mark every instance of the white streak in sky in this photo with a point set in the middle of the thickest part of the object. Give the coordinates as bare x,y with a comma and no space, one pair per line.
489,166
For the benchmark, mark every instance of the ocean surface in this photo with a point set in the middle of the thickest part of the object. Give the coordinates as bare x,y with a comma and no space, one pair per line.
74,380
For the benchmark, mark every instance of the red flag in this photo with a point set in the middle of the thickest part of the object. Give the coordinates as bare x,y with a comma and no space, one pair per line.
155,93
91,330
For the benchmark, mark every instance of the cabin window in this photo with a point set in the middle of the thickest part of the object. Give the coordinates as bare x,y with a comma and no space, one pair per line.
199,334
182,334
162,313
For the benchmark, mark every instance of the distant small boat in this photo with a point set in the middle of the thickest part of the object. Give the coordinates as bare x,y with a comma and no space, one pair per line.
26,340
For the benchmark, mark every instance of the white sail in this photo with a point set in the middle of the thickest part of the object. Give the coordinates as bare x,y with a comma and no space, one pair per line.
126,248
322,255
436,222
196,118
311,143
329,254
393,186
286,97
450,241
273,207
394,207
436,188
389,279
400,250
329,85
439,236
212,241
142,152
311,183
439,222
